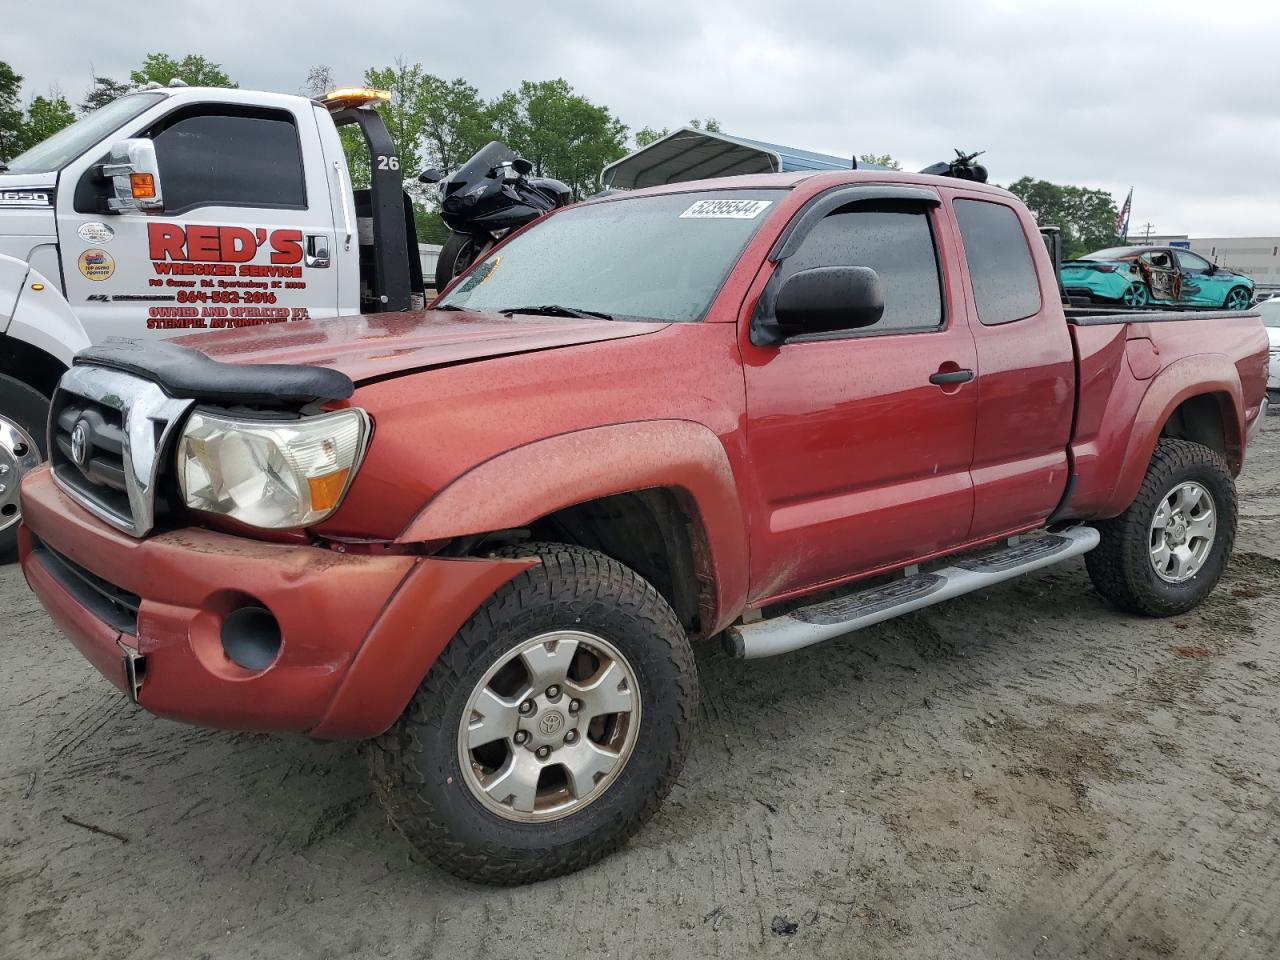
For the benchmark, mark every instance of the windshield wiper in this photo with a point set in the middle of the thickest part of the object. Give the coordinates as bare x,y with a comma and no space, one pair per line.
4,168
555,310
449,306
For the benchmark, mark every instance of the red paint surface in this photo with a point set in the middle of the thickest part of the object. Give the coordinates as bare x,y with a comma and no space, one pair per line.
801,466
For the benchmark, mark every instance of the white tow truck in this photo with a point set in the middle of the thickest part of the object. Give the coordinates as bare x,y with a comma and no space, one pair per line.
182,209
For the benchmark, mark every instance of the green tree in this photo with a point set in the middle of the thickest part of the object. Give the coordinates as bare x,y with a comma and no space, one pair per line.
11,121
193,70
1086,217
562,134
45,117
882,159
457,122
101,92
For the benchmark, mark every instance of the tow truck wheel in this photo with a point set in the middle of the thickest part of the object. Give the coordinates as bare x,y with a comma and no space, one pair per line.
1166,553
551,727
23,413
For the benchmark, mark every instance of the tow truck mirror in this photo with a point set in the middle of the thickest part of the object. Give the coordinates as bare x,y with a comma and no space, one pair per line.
134,175
828,299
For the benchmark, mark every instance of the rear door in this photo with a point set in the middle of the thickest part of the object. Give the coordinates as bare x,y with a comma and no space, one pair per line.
860,460
1026,367
246,237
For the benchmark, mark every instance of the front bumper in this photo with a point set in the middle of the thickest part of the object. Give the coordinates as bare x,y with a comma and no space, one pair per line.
358,632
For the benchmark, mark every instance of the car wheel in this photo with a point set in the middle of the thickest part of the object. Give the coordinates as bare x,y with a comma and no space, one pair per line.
1136,295
23,416
1238,298
1168,550
551,727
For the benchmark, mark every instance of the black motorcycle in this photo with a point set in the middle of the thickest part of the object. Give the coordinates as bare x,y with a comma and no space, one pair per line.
485,199
962,167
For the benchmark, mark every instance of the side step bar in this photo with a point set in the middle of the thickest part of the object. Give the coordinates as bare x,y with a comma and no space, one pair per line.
833,618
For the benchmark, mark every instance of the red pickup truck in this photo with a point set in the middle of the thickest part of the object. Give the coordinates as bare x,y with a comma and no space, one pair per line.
772,409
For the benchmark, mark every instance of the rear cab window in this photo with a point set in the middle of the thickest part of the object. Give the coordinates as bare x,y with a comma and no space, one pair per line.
1002,272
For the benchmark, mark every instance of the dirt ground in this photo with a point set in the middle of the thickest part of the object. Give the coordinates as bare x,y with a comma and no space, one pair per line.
1022,773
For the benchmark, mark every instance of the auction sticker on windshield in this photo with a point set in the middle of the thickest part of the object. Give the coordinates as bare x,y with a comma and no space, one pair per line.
725,209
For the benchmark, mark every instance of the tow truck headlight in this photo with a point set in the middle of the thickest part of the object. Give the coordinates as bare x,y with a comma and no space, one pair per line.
276,474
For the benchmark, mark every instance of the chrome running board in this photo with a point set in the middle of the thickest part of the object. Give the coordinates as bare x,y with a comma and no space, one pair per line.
834,618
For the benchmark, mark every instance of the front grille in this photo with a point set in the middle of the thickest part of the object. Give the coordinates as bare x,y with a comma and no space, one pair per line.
107,439
112,605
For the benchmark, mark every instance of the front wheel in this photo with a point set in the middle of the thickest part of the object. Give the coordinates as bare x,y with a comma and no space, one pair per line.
23,413
1168,550
457,253
1238,298
1136,295
551,727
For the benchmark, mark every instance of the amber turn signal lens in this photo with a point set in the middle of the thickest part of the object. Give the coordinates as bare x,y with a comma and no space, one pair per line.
327,490
143,186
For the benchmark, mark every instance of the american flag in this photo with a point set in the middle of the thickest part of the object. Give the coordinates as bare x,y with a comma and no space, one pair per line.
1122,218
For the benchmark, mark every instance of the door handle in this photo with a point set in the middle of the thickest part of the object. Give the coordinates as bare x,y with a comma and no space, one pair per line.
951,376
317,250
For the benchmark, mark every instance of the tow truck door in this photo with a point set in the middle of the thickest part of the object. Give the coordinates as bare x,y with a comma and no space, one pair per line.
246,238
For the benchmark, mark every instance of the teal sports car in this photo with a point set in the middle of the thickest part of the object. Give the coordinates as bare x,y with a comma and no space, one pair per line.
1155,276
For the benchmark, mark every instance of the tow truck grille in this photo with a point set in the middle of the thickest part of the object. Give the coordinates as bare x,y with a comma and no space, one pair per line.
107,436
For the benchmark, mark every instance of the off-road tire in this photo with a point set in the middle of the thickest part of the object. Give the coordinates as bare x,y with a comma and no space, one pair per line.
29,409
416,767
1120,566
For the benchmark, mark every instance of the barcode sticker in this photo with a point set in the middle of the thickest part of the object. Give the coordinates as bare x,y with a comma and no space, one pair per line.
725,210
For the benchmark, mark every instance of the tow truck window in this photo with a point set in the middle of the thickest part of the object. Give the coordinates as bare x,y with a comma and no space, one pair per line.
1001,271
70,142
230,159
895,241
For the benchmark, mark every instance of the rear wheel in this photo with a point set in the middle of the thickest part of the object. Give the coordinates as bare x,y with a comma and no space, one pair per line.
1168,550
23,413
1136,295
549,730
1238,298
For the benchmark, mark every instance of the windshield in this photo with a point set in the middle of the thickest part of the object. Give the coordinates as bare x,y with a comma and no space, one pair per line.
1270,310
658,257
70,142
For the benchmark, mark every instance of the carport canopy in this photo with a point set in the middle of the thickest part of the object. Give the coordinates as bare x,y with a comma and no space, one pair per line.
689,154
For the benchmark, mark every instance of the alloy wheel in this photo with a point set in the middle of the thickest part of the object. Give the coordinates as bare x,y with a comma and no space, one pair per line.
19,455
1182,532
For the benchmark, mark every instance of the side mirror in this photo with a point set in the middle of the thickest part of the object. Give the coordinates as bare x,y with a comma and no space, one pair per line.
522,166
431,175
824,300
1213,268
134,175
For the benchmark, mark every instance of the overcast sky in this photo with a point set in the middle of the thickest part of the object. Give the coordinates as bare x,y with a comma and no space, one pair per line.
1181,100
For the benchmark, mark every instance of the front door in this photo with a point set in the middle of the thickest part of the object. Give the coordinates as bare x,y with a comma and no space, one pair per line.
241,240
859,459
1199,286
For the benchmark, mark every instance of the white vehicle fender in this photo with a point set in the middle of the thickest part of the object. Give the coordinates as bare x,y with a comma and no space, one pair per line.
13,277
43,318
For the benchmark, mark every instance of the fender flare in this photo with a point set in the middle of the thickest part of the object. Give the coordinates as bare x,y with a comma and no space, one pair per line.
44,319
516,487
1210,373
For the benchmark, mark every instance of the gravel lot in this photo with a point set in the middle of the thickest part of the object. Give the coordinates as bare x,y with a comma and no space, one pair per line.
1021,773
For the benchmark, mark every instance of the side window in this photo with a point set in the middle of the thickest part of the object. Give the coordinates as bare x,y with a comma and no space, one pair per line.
249,159
1005,285
1190,262
894,240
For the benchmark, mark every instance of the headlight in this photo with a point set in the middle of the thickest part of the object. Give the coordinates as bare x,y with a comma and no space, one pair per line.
276,474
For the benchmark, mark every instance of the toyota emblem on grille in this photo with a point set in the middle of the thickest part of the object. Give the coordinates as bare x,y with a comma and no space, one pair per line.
80,443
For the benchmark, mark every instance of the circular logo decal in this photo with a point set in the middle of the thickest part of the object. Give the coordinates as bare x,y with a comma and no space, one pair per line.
551,723
96,232
80,443
97,264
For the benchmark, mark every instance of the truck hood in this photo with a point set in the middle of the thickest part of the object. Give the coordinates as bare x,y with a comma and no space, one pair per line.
380,345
